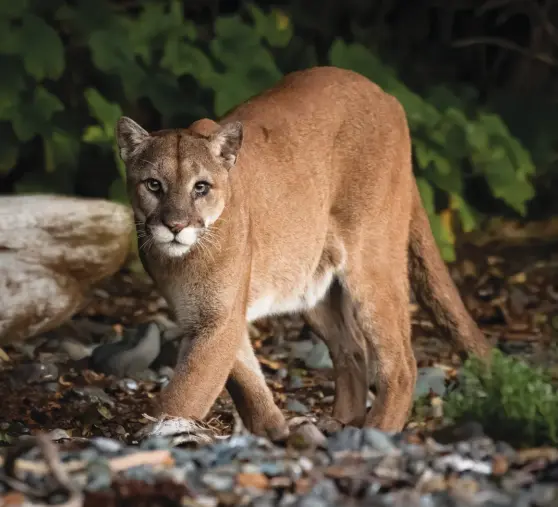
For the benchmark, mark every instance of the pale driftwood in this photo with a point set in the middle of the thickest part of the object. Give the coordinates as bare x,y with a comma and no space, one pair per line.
52,249
116,465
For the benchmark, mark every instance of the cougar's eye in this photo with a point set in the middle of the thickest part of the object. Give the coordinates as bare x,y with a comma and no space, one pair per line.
202,188
153,185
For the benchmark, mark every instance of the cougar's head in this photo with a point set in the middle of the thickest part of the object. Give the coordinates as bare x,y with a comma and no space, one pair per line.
178,181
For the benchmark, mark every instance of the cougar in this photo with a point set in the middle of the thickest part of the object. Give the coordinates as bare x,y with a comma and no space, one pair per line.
302,199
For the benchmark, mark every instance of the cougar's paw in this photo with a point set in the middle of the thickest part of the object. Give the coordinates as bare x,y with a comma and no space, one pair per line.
178,430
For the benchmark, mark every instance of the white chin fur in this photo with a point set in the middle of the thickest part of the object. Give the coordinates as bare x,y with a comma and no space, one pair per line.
175,249
175,246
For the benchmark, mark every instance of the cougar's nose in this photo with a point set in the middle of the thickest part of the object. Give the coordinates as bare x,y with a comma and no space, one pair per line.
175,227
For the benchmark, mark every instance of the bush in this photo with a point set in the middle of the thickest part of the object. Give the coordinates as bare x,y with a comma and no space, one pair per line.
71,68
512,400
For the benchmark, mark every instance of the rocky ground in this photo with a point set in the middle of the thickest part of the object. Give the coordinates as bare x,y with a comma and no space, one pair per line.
90,383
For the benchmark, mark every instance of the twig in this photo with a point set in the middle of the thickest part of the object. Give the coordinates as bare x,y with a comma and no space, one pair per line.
157,457
60,474
52,465
505,44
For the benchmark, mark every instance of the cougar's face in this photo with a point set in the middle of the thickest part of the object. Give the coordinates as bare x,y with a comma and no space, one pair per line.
177,183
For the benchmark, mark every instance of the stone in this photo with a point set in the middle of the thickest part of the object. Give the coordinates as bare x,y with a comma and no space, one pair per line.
34,373
127,357
297,407
58,434
378,440
52,250
106,445
430,379
93,394
75,349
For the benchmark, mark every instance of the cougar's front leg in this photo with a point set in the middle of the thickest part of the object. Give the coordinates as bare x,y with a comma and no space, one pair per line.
203,369
252,398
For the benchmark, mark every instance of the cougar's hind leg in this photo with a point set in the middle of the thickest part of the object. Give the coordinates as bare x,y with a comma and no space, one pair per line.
382,314
252,397
333,320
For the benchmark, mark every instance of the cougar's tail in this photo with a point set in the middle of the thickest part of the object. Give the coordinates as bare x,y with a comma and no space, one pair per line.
435,290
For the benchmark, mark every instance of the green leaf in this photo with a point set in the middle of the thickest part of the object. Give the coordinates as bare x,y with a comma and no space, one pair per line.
111,49
443,238
61,149
10,38
237,85
236,44
450,182
107,113
275,27
162,89
427,195
34,117
504,184
118,192
9,149
358,58
465,212
42,49
182,58
11,84
95,134
13,10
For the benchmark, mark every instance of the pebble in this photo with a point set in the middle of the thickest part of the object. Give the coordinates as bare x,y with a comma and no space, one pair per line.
93,394
75,349
126,357
58,434
128,384
146,375
430,379
297,407
314,353
34,373
106,445
52,387
378,440
248,470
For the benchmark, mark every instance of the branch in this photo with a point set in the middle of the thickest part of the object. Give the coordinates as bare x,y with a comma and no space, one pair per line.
505,44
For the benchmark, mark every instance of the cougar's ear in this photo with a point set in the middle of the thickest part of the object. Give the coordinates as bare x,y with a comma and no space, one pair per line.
129,135
225,143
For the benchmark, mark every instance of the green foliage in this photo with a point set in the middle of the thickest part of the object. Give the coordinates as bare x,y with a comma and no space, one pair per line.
446,138
512,400
70,69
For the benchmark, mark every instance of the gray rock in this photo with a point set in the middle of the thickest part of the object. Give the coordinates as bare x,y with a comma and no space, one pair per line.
430,379
166,371
106,445
297,407
75,349
168,355
128,384
349,438
52,250
93,394
52,387
295,382
58,434
218,482
378,440
34,373
127,357
99,476
147,375
314,353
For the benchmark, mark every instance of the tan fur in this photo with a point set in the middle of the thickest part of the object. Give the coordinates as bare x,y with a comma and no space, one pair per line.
315,210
